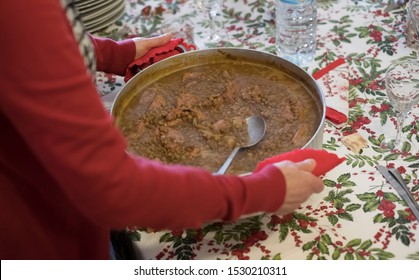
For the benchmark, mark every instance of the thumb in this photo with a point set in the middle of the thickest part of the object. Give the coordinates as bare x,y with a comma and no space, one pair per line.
306,165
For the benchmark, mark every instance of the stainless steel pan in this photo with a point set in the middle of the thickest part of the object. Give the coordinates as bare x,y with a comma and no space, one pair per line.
202,57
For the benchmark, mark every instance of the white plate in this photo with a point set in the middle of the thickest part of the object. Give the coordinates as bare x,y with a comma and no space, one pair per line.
102,11
86,3
92,6
105,17
98,25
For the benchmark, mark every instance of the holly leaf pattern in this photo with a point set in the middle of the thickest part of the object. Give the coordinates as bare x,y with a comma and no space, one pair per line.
330,225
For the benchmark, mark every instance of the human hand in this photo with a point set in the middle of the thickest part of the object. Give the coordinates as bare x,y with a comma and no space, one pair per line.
300,183
143,45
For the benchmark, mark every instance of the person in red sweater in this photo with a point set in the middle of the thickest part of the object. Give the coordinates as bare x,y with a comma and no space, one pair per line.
65,177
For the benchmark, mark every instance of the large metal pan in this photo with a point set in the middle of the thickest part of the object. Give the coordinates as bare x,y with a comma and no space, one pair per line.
203,57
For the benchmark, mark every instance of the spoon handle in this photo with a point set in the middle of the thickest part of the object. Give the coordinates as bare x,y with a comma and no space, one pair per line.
226,164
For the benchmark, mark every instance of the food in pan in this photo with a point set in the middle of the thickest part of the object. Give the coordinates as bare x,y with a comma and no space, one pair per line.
196,116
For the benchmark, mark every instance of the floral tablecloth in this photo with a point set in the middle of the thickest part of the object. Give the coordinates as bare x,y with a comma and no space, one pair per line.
358,215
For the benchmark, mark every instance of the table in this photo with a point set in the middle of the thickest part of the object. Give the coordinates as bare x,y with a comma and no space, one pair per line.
358,215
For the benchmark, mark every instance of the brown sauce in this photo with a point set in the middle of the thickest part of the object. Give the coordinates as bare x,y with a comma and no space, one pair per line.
197,116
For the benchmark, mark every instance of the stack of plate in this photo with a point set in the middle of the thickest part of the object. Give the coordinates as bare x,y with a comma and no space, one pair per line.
99,14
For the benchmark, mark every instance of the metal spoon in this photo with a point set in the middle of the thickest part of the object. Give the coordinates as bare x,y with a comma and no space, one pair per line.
256,127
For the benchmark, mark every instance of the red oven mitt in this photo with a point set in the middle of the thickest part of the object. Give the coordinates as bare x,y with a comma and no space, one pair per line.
325,161
173,47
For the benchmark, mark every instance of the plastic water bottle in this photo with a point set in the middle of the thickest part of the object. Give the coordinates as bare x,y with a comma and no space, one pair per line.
412,25
296,25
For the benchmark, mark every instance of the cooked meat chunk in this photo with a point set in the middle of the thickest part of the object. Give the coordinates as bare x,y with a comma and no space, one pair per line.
158,104
301,136
187,101
231,91
252,94
220,126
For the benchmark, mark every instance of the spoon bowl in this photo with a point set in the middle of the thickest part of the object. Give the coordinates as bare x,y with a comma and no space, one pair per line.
256,127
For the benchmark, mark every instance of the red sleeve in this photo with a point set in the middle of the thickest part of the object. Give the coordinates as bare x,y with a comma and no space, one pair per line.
49,97
112,56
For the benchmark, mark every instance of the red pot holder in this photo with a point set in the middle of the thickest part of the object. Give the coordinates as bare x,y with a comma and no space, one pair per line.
325,161
173,47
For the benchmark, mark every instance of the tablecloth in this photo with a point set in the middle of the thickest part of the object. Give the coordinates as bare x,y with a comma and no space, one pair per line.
358,215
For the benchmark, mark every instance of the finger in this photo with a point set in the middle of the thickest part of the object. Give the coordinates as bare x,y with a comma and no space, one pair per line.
161,40
318,185
309,165
306,165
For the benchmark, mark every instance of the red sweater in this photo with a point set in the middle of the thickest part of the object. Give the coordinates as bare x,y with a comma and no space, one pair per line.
65,178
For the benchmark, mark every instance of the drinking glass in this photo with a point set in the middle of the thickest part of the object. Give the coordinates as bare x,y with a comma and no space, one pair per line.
402,89
180,28
212,35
